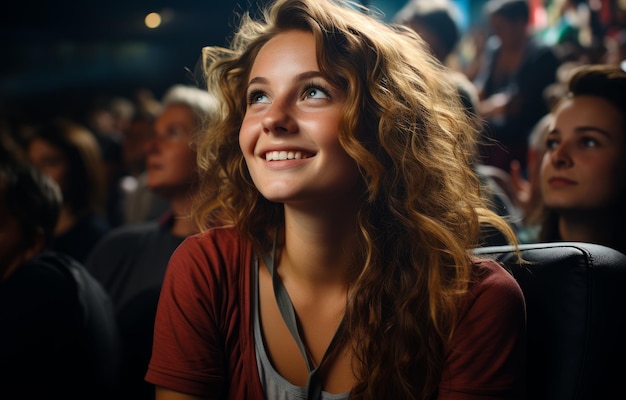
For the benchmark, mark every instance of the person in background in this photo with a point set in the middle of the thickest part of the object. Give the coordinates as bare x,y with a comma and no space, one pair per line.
616,47
138,203
436,23
130,261
47,347
511,82
105,118
338,207
67,152
583,184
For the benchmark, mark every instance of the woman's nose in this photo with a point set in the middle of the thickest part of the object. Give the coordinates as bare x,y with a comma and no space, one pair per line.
560,156
279,118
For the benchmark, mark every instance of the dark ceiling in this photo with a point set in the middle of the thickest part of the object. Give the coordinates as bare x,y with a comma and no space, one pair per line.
62,53
69,50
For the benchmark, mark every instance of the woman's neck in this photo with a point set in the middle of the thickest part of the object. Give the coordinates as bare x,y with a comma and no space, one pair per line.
183,224
319,251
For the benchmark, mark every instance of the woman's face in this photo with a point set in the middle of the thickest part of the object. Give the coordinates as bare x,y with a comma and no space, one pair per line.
171,162
289,134
48,159
585,163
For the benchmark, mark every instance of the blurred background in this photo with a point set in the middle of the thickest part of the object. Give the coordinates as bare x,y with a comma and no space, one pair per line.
63,56
56,55
72,50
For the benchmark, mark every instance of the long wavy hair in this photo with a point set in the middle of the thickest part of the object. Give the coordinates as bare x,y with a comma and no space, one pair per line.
422,207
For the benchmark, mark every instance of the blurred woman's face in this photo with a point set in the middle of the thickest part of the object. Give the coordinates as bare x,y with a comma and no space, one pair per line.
585,162
48,159
171,161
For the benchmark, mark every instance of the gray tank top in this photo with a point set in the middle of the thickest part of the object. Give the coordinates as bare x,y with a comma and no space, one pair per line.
275,386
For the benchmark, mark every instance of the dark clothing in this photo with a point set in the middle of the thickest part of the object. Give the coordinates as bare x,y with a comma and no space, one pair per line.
130,262
525,88
82,237
47,349
132,259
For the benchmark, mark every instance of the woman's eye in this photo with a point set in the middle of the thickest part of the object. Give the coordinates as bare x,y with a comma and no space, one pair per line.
589,142
257,97
315,92
174,133
551,144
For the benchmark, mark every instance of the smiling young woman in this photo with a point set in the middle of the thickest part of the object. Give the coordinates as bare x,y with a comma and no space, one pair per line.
339,209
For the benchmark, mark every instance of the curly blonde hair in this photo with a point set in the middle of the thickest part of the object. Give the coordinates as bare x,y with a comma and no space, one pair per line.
422,205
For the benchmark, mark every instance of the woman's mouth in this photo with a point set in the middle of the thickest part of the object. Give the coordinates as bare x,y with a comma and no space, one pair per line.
285,155
560,181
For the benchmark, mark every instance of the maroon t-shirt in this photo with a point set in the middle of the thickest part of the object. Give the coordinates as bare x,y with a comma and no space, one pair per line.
204,337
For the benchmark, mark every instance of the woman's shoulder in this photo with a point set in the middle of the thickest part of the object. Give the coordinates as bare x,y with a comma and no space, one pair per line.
221,248
493,280
213,268
225,237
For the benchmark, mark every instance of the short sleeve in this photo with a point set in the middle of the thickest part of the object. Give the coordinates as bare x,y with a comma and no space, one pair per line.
203,338
187,356
485,358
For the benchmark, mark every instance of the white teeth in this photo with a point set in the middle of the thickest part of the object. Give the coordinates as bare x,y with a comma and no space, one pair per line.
282,155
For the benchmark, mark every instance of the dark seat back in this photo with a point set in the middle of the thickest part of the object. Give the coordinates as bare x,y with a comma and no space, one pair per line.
575,297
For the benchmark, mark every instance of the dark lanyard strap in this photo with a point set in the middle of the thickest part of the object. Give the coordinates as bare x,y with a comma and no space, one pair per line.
314,383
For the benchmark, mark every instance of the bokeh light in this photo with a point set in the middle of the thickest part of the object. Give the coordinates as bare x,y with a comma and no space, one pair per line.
153,20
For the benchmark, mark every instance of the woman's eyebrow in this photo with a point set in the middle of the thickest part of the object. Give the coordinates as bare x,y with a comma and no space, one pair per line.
298,78
584,129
